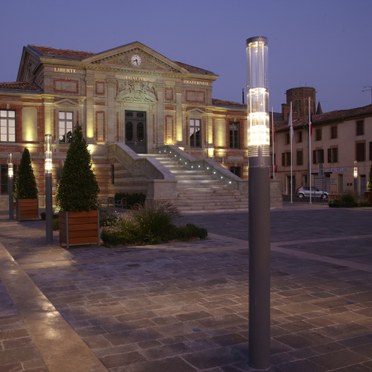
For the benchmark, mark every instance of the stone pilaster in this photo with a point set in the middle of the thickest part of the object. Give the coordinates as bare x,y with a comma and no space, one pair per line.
179,118
160,122
111,111
89,108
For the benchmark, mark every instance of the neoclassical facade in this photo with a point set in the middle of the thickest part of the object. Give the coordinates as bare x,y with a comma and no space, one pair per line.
130,95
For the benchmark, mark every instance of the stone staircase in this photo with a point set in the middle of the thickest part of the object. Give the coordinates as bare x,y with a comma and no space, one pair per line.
198,190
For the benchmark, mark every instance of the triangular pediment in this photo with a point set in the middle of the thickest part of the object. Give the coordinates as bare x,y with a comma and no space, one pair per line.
135,56
196,111
66,102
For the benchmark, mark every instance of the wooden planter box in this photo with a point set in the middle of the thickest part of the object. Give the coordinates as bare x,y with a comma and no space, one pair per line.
27,209
78,228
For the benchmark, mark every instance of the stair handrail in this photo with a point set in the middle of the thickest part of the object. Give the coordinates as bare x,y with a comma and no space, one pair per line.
138,165
209,165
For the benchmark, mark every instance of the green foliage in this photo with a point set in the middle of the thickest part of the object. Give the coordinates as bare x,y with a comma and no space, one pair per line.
190,231
149,225
369,185
78,188
132,200
25,183
348,200
154,222
107,218
125,231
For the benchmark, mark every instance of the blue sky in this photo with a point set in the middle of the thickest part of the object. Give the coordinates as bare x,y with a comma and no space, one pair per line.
325,44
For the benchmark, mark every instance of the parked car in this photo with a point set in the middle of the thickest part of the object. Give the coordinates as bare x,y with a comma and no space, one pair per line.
304,191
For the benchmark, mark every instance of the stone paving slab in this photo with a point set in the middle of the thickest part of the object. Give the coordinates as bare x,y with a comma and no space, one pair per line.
184,306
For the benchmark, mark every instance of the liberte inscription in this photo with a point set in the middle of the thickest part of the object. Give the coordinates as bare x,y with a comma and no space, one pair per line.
65,70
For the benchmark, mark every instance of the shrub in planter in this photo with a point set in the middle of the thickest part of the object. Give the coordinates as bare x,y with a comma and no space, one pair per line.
77,195
26,189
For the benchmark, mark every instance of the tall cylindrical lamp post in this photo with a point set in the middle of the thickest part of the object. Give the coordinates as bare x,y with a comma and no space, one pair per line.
48,189
259,202
10,186
355,175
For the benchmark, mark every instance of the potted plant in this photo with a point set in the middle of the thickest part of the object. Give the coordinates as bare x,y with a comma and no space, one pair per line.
77,196
26,193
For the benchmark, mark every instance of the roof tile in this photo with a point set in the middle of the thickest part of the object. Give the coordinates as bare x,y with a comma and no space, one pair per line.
19,85
61,53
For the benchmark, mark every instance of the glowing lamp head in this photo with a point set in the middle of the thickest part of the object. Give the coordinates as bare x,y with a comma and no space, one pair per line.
10,166
48,154
258,98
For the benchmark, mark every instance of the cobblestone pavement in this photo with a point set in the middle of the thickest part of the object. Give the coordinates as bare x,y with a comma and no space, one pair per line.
183,307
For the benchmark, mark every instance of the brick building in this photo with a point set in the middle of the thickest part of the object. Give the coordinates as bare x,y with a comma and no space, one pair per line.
131,97
340,149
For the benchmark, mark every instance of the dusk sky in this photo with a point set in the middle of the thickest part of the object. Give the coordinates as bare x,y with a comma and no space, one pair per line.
325,44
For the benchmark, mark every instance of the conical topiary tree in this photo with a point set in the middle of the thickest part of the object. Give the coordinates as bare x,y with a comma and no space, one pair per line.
25,183
78,188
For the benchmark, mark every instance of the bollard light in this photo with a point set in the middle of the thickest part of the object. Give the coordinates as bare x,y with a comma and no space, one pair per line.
10,185
48,189
259,202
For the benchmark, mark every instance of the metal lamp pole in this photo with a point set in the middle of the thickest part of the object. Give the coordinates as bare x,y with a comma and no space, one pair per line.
10,186
259,202
48,189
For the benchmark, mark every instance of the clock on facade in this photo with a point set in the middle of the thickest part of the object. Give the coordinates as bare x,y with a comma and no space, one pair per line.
136,60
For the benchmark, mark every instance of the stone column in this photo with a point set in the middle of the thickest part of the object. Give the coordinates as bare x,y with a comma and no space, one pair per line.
89,108
49,119
179,118
160,122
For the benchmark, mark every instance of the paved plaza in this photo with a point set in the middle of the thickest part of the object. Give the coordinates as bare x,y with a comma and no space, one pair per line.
183,307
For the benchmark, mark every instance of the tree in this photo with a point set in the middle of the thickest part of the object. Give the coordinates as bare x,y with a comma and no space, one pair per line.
25,184
369,186
78,188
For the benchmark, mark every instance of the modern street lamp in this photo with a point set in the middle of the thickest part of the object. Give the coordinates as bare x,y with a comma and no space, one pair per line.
48,189
259,202
355,174
10,185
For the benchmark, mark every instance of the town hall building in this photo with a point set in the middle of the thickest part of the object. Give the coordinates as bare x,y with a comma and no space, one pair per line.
129,101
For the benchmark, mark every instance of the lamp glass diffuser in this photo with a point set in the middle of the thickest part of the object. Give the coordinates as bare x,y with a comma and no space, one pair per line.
258,97
48,154
10,166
